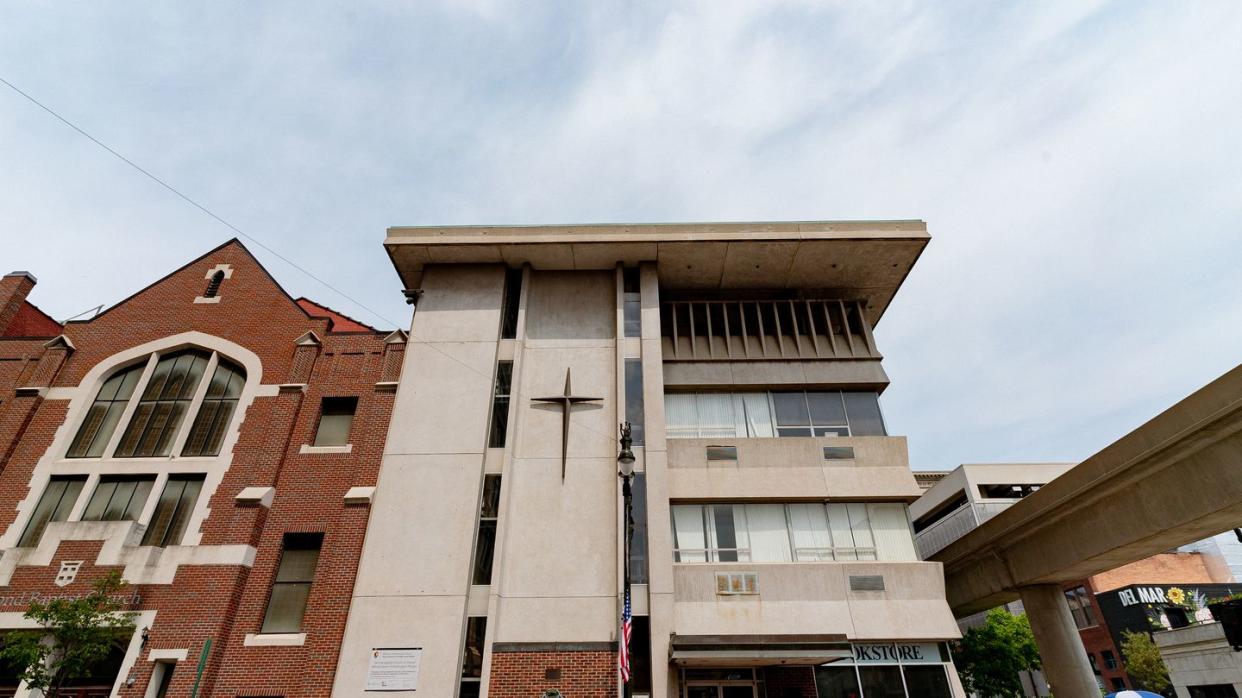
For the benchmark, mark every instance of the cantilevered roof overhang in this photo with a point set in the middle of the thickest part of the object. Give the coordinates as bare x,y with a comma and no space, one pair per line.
865,260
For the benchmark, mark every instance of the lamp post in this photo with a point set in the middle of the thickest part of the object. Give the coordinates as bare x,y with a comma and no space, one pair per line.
625,460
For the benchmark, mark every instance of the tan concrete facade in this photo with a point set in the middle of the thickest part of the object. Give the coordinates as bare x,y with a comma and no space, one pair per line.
556,582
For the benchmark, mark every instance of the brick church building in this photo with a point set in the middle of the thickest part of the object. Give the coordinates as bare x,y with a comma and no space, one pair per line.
215,440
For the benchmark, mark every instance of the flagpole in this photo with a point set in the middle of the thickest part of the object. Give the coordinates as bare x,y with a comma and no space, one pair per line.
626,459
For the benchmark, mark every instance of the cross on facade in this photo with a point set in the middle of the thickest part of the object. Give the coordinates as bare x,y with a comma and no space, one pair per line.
566,401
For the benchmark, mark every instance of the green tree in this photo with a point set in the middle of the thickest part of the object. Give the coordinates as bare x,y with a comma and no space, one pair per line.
1143,661
990,656
78,633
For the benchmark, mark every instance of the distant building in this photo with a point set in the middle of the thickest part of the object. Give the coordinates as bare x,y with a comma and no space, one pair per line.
1130,597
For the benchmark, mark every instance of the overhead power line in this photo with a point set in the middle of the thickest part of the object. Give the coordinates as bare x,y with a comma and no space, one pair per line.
194,203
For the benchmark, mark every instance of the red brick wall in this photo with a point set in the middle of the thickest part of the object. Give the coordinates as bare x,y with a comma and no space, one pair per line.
790,682
583,674
225,602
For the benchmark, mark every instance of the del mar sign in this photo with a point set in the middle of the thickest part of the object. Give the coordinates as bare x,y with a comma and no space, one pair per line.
1129,597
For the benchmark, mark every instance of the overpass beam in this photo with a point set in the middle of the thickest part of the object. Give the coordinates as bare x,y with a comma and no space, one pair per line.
1065,661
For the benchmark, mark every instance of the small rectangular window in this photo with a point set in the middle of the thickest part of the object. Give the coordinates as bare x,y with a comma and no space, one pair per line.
161,678
728,453
118,498
732,583
863,410
1110,660
336,416
631,302
472,657
485,543
172,512
55,504
638,544
838,453
500,405
292,585
634,399
510,304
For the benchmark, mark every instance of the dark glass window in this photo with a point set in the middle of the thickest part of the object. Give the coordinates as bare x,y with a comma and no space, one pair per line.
726,533
163,405
836,682
105,412
485,543
1110,659
631,302
213,286
634,399
1080,607
336,417
118,498
792,416
500,405
828,414
640,656
216,411
472,657
728,453
1220,690
881,681
863,410
927,681
291,588
638,544
172,512
1118,684
838,453
1007,491
509,308
55,504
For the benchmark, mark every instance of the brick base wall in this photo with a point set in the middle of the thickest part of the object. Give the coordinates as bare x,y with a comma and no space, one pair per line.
581,674
790,682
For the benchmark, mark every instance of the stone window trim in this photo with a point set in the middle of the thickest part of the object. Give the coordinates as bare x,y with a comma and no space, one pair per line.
82,396
212,295
89,390
274,639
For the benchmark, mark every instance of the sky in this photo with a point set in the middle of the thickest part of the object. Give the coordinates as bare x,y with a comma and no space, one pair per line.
1078,163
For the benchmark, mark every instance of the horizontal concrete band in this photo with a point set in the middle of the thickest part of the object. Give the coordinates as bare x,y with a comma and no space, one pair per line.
554,647
784,642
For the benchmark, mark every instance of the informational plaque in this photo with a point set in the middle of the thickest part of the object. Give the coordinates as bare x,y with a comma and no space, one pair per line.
393,668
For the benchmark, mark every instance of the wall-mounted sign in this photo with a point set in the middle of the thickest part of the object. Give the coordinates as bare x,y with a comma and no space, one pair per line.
1129,597
393,668
897,653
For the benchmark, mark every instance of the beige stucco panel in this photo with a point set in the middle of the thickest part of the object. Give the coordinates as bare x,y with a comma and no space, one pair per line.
425,622
560,535
591,428
422,526
459,303
444,399
561,619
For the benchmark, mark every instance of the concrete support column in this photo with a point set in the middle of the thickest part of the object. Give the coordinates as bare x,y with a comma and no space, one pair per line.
1064,659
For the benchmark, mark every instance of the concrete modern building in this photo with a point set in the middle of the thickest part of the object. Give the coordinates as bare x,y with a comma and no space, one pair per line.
1102,605
955,503
772,553
1200,661
215,442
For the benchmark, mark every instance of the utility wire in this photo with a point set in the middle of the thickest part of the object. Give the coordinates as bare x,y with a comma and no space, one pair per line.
192,202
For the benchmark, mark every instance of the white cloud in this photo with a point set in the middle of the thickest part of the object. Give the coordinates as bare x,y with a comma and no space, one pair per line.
1076,163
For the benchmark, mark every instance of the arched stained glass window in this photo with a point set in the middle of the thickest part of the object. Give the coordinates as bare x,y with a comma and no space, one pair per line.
216,412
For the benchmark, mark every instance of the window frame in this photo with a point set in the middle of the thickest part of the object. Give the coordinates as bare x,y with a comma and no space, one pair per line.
178,441
336,400
299,541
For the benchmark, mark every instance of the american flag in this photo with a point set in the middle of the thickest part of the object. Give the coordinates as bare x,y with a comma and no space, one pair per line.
627,628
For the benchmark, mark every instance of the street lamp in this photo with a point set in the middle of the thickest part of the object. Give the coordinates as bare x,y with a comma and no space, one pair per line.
625,459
